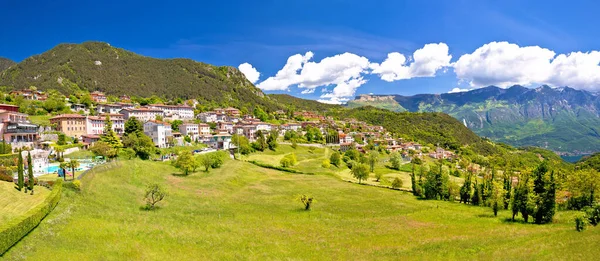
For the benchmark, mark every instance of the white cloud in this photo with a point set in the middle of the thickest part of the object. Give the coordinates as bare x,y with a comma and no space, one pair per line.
308,91
250,72
505,64
425,62
457,90
343,71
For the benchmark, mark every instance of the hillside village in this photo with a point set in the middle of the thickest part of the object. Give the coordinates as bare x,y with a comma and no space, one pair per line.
183,124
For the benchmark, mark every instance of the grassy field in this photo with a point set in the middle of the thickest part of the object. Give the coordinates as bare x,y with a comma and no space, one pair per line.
14,203
40,119
242,211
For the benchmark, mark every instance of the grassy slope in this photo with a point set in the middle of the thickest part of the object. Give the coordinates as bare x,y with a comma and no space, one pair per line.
14,203
245,212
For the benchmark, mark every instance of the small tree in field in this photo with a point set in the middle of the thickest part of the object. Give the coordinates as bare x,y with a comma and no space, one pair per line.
378,176
360,171
335,159
206,160
307,201
497,197
154,194
185,162
395,160
397,183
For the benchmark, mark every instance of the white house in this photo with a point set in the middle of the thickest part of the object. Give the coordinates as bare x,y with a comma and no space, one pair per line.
142,114
39,161
160,132
183,112
209,116
189,129
221,141
113,108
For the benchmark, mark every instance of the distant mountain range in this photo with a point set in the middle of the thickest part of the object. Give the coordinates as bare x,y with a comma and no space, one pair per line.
561,119
5,63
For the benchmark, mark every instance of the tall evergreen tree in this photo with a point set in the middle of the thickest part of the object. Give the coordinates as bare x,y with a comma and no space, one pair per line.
465,190
109,136
413,181
30,177
20,177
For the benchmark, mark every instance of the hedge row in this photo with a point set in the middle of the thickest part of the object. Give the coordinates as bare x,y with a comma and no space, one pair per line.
269,166
14,230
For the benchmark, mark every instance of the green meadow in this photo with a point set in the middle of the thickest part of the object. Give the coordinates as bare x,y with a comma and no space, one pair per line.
244,212
14,203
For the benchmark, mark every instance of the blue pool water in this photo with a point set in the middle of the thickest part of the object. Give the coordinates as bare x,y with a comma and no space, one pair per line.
55,168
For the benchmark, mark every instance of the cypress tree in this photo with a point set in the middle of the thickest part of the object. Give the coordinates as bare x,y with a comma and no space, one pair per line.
413,180
539,189
30,172
21,179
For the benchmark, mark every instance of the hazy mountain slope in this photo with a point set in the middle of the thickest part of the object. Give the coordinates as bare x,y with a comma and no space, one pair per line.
562,119
5,63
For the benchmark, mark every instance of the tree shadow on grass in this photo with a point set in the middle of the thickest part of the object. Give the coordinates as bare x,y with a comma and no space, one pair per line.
179,174
146,208
516,221
487,215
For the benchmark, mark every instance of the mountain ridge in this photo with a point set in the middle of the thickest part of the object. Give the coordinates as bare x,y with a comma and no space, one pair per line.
562,119
98,66
5,63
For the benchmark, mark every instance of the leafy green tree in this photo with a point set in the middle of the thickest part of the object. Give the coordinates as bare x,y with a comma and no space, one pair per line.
360,171
242,143
372,158
20,177
63,166
272,139
395,160
584,185
260,114
544,191
352,154
378,176
476,198
175,124
185,162
206,160
218,159
261,141
128,153
141,144
335,159
55,102
31,181
62,139
465,190
133,125
5,148
294,144
187,138
497,197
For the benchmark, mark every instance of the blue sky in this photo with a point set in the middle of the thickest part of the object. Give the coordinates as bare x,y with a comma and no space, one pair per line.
266,33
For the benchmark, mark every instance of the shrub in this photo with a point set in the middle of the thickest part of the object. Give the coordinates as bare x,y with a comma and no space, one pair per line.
6,177
325,164
77,185
580,223
289,160
12,231
592,214
378,176
397,183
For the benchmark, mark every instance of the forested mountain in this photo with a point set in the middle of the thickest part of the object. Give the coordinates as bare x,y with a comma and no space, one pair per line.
5,63
561,119
96,66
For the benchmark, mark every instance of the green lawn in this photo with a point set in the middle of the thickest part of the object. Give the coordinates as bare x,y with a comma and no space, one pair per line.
242,211
14,203
40,119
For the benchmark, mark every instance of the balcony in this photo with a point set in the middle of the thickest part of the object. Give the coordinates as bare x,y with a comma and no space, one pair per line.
21,128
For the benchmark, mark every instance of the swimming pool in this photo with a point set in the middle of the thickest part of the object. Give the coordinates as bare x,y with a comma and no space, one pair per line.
54,167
